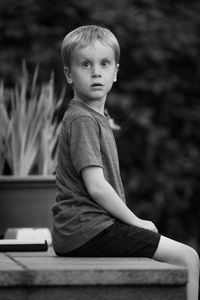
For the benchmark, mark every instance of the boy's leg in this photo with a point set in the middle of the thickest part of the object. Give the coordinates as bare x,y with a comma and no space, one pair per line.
173,252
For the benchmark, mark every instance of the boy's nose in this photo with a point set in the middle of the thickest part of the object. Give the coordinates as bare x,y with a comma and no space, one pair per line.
96,72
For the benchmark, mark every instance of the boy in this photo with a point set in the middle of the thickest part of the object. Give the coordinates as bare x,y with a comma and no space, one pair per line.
90,215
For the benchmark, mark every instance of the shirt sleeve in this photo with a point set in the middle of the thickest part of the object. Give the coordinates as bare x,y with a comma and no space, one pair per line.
85,143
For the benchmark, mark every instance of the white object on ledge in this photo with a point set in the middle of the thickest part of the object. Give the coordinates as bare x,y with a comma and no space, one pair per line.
29,234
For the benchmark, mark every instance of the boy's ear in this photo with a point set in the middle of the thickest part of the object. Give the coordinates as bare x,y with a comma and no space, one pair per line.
116,71
68,76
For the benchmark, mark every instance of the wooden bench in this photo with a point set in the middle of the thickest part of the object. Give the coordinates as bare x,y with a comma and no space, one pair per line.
42,275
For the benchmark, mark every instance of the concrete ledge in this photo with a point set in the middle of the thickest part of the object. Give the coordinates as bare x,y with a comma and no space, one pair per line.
41,274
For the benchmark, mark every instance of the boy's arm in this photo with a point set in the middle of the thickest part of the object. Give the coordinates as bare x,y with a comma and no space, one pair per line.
103,193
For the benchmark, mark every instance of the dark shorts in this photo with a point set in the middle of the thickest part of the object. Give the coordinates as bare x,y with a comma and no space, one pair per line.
119,240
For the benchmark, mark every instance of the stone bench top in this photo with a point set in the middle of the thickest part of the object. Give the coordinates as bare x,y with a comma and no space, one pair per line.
45,268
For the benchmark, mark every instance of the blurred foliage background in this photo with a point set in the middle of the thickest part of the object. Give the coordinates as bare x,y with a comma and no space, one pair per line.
156,100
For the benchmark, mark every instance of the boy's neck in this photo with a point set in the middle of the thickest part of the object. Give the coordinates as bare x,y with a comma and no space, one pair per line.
95,105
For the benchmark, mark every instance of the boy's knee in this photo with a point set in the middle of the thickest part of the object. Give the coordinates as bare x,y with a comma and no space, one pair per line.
192,256
196,257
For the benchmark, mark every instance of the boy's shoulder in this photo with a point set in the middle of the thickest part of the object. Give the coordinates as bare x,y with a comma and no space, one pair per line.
77,111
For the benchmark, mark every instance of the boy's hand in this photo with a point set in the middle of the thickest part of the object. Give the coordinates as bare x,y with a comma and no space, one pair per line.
147,225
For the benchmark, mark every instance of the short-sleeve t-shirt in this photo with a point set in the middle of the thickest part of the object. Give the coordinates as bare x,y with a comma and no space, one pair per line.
86,139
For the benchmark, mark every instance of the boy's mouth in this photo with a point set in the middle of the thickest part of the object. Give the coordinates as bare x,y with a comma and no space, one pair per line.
96,84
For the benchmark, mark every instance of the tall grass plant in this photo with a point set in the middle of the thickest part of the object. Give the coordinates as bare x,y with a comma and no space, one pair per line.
29,125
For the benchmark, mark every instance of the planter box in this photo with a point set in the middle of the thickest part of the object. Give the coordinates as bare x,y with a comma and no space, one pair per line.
26,201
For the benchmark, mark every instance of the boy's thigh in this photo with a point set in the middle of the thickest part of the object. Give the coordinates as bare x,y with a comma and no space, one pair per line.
174,252
138,242
121,240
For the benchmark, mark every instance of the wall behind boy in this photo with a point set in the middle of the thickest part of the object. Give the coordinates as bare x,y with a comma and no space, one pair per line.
156,99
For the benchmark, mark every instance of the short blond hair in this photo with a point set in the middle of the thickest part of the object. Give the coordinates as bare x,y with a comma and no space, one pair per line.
84,36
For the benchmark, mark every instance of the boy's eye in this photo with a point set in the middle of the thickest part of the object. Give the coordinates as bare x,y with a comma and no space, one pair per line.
105,63
85,64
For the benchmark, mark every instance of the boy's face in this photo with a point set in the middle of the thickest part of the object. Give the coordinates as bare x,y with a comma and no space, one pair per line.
93,71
